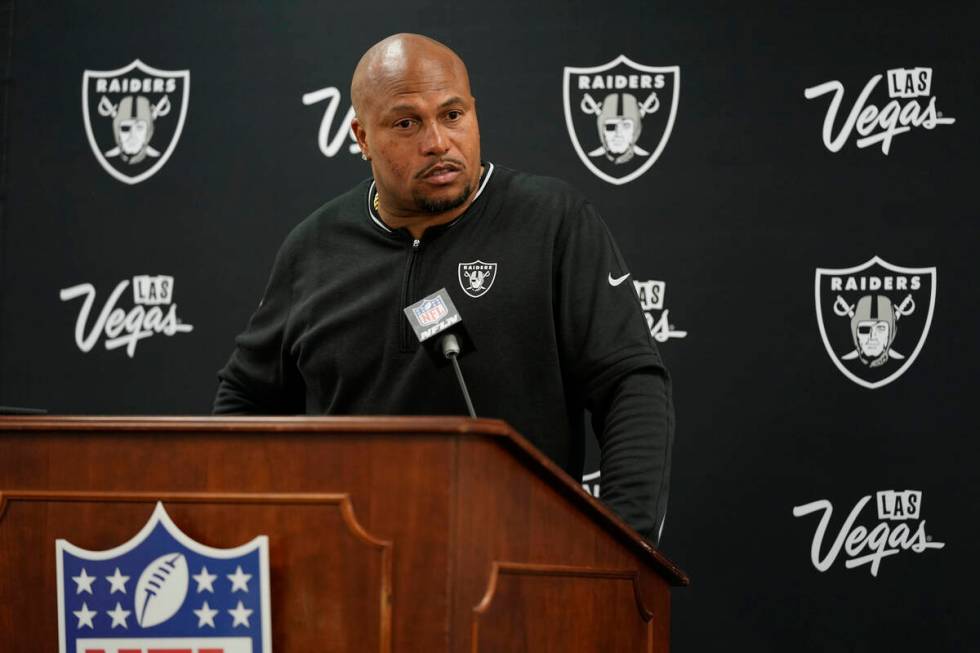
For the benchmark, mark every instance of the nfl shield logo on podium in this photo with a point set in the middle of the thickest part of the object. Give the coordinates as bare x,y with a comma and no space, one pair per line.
162,591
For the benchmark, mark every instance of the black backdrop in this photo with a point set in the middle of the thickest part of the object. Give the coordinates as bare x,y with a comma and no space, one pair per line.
742,207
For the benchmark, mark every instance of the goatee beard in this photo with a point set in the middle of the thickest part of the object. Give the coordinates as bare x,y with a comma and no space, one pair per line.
441,206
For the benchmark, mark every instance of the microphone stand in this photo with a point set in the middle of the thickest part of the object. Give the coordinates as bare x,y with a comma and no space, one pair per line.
450,349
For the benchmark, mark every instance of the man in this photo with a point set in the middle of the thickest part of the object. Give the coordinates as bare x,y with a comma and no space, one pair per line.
556,329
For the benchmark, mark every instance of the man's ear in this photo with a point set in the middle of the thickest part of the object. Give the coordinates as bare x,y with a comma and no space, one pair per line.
360,136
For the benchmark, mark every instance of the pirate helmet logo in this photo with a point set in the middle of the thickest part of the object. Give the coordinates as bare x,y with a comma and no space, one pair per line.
860,311
132,126
873,329
476,277
135,106
626,103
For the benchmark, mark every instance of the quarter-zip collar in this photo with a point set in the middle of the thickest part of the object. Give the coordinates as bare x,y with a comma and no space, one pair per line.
378,222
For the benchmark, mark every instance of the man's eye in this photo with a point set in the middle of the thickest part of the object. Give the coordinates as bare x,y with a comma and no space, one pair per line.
403,124
454,115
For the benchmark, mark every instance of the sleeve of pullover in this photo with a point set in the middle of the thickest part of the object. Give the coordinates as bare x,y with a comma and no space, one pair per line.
609,355
261,377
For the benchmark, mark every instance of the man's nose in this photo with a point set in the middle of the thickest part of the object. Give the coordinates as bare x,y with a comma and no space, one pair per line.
434,140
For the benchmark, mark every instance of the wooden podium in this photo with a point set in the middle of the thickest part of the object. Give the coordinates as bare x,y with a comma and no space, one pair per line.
385,534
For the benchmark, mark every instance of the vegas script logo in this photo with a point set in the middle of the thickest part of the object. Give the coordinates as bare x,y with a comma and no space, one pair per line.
154,312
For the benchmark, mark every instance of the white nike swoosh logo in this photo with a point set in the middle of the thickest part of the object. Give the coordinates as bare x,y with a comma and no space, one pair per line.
616,282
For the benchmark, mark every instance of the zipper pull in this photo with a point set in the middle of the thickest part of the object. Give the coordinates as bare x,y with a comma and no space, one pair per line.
416,243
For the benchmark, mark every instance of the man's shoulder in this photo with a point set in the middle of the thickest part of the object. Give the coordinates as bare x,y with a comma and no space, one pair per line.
529,187
348,206
344,210
551,204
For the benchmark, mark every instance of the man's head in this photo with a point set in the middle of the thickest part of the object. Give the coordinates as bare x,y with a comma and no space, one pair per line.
133,126
416,122
873,327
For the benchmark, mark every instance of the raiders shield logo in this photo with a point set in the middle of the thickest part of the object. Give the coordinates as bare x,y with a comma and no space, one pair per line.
874,318
476,278
133,117
619,115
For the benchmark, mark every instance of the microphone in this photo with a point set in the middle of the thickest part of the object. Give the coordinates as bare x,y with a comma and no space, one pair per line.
439,327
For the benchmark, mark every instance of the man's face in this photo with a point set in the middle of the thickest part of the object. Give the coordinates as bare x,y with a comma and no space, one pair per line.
423,137
132,135
873,337
619,134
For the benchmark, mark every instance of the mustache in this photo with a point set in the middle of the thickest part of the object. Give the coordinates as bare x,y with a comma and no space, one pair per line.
442,165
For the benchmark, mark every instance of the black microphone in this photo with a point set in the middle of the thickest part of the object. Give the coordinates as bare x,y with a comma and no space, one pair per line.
439,327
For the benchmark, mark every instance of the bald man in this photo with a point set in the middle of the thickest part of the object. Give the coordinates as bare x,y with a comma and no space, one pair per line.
527,260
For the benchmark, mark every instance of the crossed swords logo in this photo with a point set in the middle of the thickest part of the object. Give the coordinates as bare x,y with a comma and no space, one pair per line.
843,309
109,110
590,106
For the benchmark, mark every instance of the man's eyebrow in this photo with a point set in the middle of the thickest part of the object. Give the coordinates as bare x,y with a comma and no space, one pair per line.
411,108
453,100
400,108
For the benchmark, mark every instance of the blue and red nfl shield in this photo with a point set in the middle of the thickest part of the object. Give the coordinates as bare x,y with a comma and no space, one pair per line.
431,311
162,592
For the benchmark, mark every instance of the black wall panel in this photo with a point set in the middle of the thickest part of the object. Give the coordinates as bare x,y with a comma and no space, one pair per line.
742,207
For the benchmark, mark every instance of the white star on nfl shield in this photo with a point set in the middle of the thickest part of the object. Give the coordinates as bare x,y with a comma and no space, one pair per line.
117,582
85,616
239,580
118,616
205,580
84,582
240,615
205,616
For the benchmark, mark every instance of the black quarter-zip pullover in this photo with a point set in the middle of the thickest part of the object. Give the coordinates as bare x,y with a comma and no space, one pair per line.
553,336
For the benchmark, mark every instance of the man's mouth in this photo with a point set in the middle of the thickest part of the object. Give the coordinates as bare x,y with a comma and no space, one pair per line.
442,173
